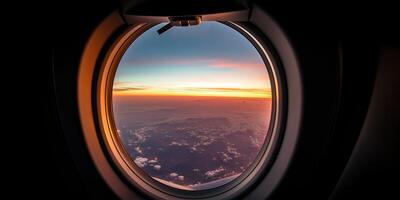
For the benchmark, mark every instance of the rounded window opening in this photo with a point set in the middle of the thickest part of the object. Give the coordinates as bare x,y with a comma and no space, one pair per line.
192,109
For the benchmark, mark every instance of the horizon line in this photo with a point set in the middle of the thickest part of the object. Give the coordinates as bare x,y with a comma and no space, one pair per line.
178,95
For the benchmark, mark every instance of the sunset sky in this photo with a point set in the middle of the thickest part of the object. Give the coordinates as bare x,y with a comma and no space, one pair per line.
210,59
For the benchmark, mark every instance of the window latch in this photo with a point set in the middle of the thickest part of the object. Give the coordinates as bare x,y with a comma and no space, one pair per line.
180,21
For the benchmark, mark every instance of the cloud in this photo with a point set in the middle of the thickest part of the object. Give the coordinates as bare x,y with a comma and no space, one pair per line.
252,90
182,143
127,86
234,63
122,89
199,89
193,88
141,161
139,150
214,172
153,161
173,175
226,157
157,167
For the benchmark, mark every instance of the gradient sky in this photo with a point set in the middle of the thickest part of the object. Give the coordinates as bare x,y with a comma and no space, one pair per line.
210,59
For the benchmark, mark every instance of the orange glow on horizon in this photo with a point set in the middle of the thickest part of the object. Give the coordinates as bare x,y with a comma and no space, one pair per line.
198,92
228,66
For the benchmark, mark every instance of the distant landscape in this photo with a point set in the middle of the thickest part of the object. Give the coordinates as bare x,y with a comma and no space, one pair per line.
192,106
192,142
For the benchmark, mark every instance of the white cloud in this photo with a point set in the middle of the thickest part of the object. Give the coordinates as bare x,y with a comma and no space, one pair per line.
153,161
182,143
157,167
141,161
139,150
226,157
173,175
214,172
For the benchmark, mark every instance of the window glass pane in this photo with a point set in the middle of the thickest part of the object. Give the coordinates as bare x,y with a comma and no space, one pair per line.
192,106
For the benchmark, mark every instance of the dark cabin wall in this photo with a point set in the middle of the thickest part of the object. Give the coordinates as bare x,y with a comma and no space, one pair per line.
349,142
69,172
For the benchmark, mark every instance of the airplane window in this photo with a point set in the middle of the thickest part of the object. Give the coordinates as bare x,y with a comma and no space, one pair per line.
192,106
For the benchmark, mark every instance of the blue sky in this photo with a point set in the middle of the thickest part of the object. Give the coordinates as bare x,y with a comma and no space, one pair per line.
208,59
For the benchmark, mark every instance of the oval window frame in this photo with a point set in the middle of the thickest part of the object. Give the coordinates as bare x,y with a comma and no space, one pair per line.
136,177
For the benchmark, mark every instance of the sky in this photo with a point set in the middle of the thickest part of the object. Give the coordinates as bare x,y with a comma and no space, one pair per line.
210,59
